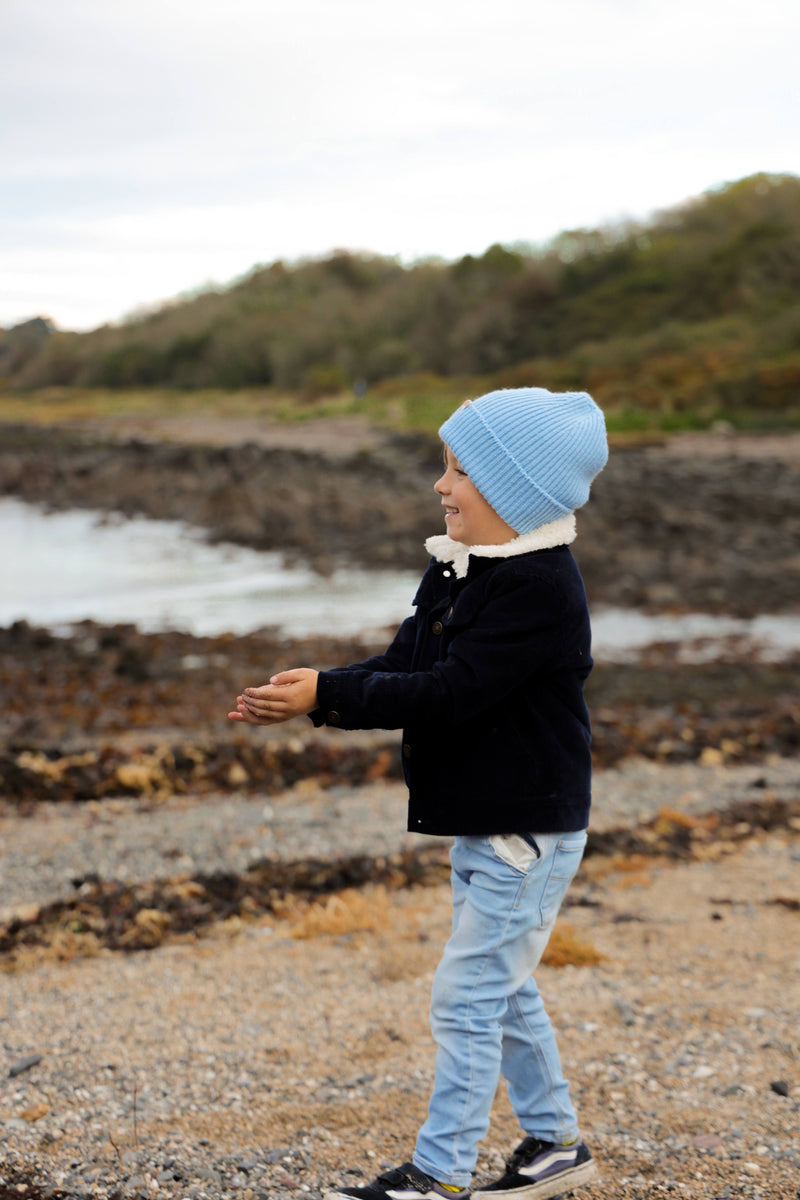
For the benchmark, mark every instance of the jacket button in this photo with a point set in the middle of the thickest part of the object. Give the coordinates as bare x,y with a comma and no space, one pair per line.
406,750
437,627
333,717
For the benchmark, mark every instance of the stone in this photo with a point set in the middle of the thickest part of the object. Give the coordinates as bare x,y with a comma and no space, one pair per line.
707,1141
35,1112
24,1064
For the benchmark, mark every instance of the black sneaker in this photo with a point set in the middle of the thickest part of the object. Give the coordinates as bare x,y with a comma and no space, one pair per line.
538,1170
404,1183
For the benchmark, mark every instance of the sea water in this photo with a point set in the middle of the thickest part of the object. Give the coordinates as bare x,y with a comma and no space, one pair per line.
64,567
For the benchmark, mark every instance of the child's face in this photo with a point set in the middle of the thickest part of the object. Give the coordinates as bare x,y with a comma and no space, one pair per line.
469,518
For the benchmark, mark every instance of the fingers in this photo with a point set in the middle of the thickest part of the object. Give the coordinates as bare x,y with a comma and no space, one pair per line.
260,710
288,694
243,713
282,678
250,718
263,701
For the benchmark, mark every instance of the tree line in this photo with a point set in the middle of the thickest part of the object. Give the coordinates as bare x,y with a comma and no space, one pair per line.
699,304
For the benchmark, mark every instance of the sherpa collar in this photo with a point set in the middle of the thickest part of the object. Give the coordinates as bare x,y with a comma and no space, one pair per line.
555,533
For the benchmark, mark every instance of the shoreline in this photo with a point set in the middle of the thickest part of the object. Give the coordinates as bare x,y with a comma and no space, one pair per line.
669,525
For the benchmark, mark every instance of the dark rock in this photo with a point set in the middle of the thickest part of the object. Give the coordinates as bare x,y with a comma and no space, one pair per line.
24,1064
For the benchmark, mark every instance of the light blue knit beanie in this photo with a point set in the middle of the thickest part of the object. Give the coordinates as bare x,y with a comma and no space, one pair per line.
531,453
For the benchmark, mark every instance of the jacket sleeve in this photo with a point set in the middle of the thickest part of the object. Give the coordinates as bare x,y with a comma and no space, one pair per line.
396,658
514,634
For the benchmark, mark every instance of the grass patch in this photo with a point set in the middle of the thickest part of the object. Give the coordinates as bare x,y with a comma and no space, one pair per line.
345,912
414,404
567,949
52,406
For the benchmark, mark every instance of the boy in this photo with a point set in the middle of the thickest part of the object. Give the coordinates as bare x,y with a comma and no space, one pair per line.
486,680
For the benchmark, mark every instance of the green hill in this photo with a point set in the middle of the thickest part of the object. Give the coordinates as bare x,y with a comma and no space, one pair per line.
691,315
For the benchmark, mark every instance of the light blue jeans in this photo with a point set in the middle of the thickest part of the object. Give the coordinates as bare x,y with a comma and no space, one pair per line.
487,1016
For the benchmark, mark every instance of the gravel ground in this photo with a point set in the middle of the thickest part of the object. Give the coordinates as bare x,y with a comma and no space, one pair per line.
257,1062
135,840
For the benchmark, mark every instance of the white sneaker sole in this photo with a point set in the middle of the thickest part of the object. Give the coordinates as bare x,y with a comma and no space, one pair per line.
546,1189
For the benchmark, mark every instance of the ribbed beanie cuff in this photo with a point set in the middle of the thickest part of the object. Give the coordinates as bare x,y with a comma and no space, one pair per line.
531,453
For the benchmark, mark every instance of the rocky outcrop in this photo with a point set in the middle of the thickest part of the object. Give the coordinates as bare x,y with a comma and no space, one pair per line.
663,529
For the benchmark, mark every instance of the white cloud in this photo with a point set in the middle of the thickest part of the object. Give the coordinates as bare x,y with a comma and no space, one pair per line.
187,139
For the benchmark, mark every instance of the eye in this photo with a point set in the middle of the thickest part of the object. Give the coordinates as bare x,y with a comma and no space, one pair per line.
461,472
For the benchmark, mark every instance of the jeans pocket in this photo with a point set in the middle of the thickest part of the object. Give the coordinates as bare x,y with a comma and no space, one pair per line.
566,860
515,850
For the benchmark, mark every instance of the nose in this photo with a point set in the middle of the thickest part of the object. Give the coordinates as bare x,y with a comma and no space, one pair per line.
440,486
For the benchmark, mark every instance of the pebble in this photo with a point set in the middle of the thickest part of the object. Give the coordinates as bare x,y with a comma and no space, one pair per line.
24,1064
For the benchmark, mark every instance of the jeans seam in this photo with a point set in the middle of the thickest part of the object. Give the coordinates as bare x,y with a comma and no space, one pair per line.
470,1041
544,1069
543,893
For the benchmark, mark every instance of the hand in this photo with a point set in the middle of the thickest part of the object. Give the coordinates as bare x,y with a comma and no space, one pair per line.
288,694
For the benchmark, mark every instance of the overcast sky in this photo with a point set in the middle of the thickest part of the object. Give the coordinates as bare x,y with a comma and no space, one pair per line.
148,147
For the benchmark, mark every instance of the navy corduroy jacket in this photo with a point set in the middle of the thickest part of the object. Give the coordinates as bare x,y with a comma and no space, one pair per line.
486,681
